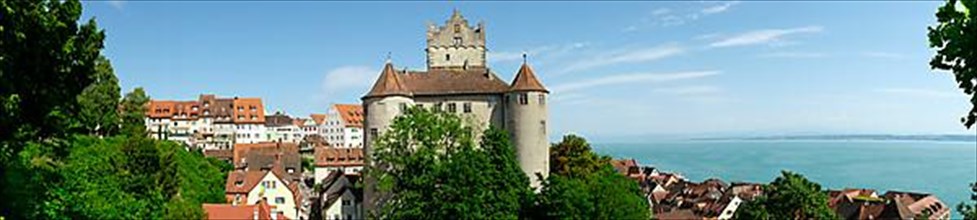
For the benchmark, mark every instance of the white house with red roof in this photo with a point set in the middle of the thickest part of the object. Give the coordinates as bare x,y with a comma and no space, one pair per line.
253,186
343,126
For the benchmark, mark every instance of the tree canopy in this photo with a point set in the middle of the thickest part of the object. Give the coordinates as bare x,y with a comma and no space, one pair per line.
954,37
62,153
584,185
790,196
429,164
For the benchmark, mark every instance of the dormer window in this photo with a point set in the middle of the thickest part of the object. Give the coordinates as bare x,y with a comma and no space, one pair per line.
457,28
239,183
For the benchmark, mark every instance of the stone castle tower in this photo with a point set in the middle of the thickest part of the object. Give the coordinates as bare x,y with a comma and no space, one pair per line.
457,80
455,45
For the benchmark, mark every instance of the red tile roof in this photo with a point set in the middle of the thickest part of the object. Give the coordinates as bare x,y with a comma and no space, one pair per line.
248,111
388,83
260,211
177,110
436,82
526,80
338,157
318,118
352,115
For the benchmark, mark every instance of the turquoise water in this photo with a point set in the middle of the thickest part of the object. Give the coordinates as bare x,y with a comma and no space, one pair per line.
942,168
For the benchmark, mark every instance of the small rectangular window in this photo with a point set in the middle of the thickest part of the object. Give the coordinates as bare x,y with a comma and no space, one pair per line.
523,99
403,107
542,99
373,133
452,108
279,200
467,107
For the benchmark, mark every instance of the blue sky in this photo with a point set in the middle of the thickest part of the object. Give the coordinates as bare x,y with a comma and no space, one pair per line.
615,68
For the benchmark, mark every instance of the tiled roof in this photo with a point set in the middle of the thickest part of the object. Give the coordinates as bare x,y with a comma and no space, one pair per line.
333,157
260,211
248,111
318,118
352,115
388,83
437,82
526,80
243,181
176,110
278,120
268,155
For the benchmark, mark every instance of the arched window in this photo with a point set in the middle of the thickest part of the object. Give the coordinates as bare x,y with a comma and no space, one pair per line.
447,57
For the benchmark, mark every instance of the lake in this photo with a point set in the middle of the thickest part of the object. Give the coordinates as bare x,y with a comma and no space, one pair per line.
941,168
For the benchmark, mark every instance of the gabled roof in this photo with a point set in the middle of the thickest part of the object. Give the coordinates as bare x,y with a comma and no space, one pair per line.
260,211
387,84
338,157
248,111
526,80
438,81
318,118
351,115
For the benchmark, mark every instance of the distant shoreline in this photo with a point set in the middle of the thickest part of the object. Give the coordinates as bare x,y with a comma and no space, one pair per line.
865,137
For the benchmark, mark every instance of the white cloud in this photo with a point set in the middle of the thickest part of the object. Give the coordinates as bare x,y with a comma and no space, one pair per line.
793,55
625,56
347,81
689,90
719,8
548,50
923,93
629,79
885,55
116,4
660,11
763,36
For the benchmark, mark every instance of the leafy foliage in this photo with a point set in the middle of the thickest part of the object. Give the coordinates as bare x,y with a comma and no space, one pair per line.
99,102
790,196
62,153
954,38
428,165
584,185
969,211
133,111
46,60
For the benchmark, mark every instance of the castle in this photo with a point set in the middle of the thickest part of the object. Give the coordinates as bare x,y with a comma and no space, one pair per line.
457,80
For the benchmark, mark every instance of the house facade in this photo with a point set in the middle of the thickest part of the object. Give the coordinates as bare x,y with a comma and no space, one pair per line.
208,123
343,126
254,186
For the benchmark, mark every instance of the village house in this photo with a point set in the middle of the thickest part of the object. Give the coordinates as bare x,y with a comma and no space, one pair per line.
273,186
259,211
282,128
343,126
338,199
268,156
867,204
329,160
208,123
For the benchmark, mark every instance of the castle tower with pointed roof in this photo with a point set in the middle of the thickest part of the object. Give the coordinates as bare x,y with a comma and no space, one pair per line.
457,80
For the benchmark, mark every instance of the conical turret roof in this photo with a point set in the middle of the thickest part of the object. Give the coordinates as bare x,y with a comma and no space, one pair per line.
526,80
387,84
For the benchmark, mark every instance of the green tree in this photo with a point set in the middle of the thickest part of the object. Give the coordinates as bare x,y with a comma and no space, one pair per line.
99,102
969,211
584,185
954,38
430,165
46,60
790,196
133,112
573,157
